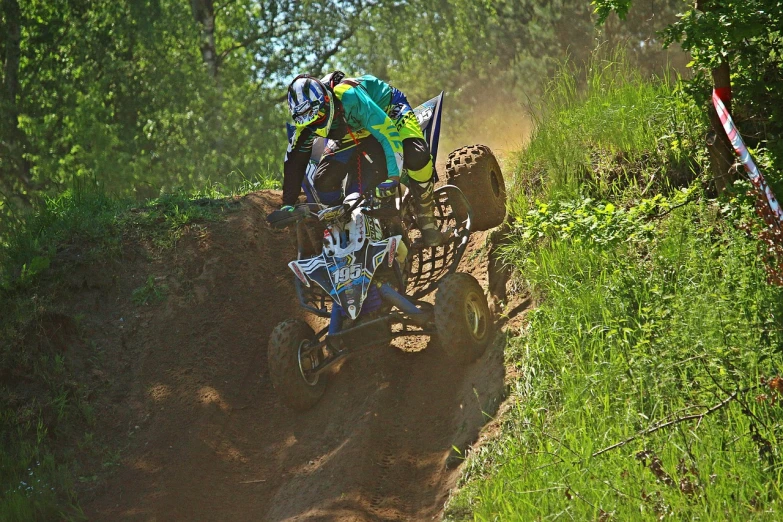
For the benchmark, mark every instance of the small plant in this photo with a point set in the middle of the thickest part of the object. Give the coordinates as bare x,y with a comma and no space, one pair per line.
149,293
112,459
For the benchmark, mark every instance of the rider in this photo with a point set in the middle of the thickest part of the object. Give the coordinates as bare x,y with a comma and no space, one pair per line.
363,120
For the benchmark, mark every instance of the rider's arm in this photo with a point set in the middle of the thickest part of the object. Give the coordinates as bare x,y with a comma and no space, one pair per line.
296,157
361,109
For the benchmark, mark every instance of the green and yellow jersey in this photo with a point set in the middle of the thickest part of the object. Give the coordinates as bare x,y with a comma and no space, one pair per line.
363,105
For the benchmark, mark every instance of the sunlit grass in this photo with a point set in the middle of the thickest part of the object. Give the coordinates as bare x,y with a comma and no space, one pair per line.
604,128
651,310
628,336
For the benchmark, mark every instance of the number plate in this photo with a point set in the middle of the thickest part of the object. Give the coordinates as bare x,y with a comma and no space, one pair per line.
348,273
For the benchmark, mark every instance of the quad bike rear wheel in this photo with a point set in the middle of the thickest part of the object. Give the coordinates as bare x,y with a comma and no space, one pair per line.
288,359
475,171
462,318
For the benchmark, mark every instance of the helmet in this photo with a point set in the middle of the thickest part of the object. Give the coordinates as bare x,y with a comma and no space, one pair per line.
311,105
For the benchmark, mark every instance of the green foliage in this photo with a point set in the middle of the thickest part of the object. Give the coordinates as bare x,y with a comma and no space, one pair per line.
74,216
604,8
638,392
149,293
491,57
148,97
86,219
630,335
586,220
122,94
747,35
32,486
613,131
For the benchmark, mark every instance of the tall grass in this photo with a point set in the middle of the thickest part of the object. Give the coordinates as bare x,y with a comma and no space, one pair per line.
643,389
96,222
604,127
629,336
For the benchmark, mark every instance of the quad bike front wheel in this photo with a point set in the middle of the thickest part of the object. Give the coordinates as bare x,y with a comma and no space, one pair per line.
476,172
462,318
288,358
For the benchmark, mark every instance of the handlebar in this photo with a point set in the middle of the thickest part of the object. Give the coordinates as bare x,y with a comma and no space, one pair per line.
311,210
338,211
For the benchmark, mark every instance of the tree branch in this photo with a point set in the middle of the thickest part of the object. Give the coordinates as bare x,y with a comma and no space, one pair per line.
244,43
660,215
270,17
658,427
321,60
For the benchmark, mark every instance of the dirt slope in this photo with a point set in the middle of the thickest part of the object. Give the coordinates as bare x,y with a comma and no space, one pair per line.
201,432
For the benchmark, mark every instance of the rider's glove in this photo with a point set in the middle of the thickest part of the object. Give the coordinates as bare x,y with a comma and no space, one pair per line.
282,217
388,188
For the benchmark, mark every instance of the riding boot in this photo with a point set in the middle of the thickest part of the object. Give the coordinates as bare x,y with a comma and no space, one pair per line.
424,204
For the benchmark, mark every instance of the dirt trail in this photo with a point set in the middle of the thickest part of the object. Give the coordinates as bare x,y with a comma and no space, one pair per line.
202,433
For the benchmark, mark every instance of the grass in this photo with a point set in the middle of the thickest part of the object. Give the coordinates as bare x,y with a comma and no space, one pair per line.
646,383
46,418
97,222
629,336
604,128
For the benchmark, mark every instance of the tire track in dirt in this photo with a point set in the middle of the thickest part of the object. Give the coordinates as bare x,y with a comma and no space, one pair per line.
207,437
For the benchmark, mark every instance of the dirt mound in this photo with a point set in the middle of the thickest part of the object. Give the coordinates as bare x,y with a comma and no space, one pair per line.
200,431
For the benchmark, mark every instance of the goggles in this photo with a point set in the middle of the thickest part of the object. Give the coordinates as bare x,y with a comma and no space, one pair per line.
307,113
312,116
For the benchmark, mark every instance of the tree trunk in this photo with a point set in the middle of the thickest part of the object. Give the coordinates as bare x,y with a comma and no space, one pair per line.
719,148
15,168
13,42
204,13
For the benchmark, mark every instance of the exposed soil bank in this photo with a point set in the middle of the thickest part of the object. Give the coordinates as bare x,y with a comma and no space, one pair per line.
202,433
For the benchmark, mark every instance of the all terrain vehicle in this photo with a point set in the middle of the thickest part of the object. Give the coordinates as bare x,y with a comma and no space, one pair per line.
360,265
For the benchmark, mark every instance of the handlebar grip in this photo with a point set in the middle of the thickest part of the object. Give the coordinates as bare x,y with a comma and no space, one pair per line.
280,219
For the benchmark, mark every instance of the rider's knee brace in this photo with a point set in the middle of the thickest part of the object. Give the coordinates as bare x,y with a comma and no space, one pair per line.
417,159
